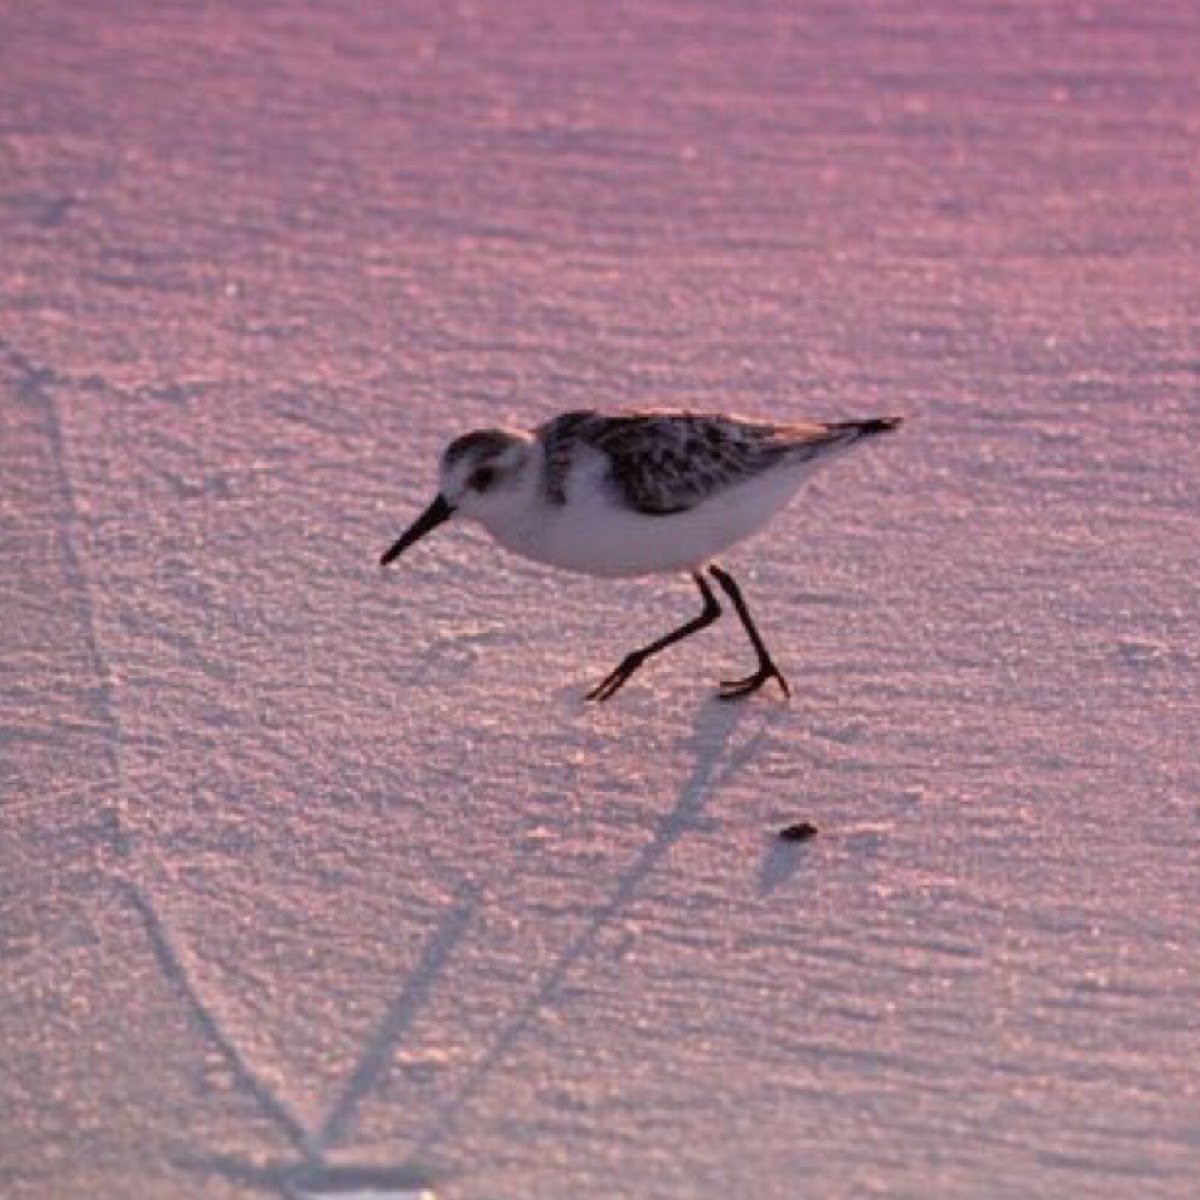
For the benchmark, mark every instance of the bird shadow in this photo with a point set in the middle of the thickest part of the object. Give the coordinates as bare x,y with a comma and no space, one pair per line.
715,762
306,1171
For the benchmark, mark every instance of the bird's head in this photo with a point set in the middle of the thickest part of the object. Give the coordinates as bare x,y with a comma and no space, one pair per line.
480,478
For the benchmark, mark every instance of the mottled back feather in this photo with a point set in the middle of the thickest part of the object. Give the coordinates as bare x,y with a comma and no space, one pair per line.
667,462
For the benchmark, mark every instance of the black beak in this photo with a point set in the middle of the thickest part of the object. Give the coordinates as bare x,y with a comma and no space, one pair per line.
440,510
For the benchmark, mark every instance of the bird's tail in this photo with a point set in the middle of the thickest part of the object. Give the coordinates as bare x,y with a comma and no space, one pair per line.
857,429
815,444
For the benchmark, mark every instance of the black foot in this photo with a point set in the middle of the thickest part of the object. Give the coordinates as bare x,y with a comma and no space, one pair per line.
612,683
737,689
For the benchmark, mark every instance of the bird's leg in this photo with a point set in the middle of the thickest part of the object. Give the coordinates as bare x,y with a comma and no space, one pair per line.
633,660
737,688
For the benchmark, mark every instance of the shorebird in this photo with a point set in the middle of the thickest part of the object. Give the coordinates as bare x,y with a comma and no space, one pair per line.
638,493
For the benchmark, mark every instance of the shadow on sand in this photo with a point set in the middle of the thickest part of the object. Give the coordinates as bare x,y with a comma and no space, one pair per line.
715,763
308,1173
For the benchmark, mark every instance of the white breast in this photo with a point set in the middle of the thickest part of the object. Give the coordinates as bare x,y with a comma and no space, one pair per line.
595,536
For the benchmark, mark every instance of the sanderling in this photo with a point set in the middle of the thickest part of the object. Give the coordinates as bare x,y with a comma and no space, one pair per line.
637,493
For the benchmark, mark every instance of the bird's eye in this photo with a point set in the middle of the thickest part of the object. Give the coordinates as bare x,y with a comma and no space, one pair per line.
482,478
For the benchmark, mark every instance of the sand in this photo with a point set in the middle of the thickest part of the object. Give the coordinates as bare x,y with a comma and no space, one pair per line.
319,875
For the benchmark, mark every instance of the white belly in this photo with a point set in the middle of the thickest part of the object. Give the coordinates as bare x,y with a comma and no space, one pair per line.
595,537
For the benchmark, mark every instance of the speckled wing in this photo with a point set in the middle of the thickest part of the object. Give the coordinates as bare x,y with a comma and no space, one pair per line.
663,463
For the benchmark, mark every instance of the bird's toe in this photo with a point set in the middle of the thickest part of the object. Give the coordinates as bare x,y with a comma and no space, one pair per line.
737,689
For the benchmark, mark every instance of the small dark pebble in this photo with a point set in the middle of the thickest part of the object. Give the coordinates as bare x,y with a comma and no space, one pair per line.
800,832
